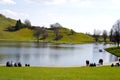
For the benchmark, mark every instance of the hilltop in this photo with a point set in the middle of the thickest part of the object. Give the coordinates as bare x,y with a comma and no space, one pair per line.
26,34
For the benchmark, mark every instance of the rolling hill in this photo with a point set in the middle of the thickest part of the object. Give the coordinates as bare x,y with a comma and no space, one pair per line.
26,34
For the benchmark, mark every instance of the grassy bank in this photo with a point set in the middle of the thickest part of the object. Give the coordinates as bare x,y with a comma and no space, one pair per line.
39,73
114,50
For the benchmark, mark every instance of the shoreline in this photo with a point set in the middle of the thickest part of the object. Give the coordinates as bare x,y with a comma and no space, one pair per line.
51,42
72,66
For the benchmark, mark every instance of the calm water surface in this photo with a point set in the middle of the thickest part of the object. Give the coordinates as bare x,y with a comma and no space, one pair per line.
46,54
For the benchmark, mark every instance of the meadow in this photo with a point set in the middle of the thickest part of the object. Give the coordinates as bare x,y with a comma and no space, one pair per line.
52,73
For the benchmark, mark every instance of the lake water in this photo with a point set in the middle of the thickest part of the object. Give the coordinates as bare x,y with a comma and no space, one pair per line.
46,54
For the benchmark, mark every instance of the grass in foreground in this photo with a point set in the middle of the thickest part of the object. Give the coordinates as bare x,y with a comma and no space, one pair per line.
40,73
114,50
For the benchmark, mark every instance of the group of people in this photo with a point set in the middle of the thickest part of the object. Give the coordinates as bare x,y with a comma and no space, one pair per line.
11,64
116,64
94,64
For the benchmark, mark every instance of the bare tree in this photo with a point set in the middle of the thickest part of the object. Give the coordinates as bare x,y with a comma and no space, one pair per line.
27,23
111,36
96,34
44,33
37,32
55,27
40,33
116,32
104,35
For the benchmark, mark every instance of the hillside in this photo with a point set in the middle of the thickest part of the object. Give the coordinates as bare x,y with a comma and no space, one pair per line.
26,34
75,38
21,35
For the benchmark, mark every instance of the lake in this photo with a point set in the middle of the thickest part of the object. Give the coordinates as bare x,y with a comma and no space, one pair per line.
48,54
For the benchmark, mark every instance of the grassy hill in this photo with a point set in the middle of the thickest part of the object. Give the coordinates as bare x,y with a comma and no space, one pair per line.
75,38
21,35
26,34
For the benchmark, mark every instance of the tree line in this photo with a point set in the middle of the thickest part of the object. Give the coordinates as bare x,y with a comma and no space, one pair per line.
41,33
19,25
113,35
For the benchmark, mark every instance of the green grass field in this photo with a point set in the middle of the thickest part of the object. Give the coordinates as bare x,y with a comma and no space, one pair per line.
114,50
40,73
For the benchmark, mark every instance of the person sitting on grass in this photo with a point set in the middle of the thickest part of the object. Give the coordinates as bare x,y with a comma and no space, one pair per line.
87,63
19,64
101,61
112,65
27,65
117,64
8,64
15,65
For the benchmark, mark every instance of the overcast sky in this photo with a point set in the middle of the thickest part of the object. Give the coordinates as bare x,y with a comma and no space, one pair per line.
79,15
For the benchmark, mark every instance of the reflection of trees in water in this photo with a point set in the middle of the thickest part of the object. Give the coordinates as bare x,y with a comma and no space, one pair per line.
54,57
1,57
26,57
57,55
98,52
54,46
40,45
62,47
17,56
113,58
103,54
95,53
9,57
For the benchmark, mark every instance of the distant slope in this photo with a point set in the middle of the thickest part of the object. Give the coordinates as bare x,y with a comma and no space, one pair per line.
21,35
27,34
67,38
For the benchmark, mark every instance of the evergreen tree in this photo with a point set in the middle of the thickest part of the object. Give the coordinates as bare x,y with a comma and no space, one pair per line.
19,25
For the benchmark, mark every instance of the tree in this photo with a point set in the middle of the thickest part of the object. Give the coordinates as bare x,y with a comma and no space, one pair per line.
116,32
37,32
72,31
104,35
57,33
18,25
96,34
40,33
27,23
44,33
55,27
111,36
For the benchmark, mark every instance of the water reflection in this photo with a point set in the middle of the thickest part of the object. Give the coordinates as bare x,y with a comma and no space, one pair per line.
46,54
97,54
